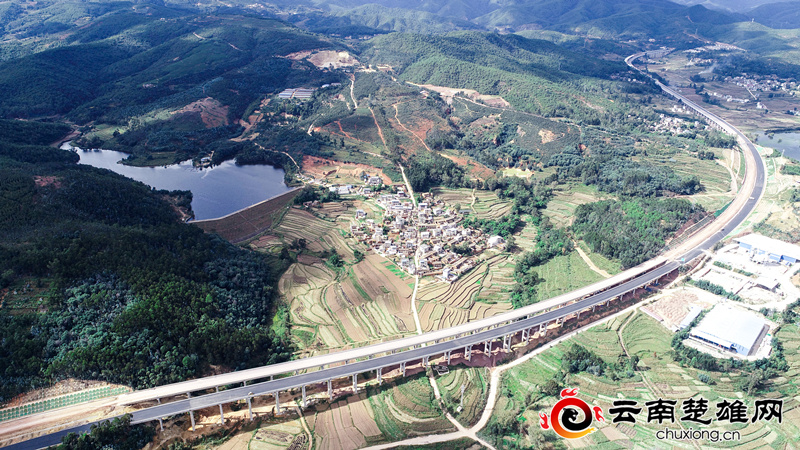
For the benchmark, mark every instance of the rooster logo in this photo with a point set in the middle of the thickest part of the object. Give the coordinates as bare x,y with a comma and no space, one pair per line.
564,416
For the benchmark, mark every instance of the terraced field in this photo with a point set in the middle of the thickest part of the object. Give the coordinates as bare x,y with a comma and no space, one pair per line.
360,304
407,408
320,235
447,304
561,209
714,176
663,378
474,380
486,205
345,425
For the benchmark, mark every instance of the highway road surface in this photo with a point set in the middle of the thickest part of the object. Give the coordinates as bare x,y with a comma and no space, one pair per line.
453,339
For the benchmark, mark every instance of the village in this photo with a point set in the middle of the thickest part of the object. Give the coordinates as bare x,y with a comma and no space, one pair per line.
425,239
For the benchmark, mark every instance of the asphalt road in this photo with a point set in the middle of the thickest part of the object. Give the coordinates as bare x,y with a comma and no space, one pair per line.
455,345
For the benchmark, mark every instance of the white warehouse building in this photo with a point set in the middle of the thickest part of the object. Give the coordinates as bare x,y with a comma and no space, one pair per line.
767,249
731,329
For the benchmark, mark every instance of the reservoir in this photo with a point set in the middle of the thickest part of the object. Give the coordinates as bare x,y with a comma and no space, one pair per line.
217,191
789,143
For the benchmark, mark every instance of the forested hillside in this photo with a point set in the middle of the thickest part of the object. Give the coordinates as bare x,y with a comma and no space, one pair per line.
163,80
101,280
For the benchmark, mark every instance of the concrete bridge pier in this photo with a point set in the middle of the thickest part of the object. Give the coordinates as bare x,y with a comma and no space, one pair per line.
425,361
277,403
380,376
447,354
403,368
507,342
250,408
468,352
355,383
221,413
160,420
304,397
526,335
487,348
330,390
191,413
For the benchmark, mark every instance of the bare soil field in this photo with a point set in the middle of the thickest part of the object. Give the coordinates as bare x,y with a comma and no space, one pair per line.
211,111
448,93
676,304
328,169
330,59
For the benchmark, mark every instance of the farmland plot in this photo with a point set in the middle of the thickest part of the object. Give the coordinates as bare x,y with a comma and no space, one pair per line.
407,408
320,235
345,425
474,380
445,305
483,204
359,304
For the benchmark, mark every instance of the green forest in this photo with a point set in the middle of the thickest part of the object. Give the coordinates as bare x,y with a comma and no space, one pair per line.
129,294
632,230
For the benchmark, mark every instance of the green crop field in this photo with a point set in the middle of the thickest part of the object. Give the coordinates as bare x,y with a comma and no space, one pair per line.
564,273
407,408
474,380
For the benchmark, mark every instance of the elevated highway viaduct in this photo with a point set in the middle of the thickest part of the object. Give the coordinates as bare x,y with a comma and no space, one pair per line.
462,339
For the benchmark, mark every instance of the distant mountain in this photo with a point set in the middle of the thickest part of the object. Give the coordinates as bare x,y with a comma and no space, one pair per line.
777,15
605,18
726,5
657,19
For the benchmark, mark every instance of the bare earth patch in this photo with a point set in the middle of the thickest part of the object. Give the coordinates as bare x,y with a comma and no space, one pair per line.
325,58
212,112
448,94
547,136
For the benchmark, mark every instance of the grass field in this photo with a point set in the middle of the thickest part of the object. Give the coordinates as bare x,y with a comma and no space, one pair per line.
658,376
564,273
603,263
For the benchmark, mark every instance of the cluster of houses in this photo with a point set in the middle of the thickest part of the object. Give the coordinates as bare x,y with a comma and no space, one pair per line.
372,184
422,239
674,125
760,83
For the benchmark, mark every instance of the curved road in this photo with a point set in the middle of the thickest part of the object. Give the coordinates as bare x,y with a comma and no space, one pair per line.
453,339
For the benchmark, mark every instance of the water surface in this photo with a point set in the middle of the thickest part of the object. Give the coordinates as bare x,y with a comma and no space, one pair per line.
217,191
